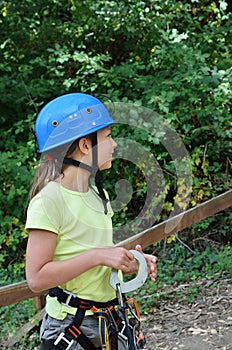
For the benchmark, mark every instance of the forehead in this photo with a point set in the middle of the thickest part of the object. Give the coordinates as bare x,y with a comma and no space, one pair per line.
105,130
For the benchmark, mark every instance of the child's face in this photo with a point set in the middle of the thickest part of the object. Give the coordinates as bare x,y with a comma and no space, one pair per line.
106,147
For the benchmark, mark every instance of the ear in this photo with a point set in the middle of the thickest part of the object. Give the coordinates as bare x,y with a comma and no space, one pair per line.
84,145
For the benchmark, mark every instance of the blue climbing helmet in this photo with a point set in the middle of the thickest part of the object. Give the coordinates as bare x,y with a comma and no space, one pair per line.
68,118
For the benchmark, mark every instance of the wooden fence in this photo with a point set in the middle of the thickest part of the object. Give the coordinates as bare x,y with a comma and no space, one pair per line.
17,292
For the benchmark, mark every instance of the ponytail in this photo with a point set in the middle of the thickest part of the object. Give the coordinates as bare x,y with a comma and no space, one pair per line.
47,170
51,167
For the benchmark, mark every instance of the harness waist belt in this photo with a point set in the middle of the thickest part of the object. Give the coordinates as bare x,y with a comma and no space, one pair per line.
69,299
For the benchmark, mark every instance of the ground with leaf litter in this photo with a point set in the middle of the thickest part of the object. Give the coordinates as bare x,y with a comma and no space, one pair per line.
205,324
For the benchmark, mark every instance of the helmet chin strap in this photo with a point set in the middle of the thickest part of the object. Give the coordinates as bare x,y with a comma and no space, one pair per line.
94,170
76,163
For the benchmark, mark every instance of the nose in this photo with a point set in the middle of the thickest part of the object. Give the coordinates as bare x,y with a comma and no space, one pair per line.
114,144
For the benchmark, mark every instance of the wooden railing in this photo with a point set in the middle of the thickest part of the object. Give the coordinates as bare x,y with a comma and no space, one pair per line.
17,292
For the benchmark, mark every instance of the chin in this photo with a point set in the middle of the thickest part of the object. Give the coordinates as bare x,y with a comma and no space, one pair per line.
106,165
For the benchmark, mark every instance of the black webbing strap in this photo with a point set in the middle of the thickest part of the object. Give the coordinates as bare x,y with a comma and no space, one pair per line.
70,161
94,151
69,299
97,174
48,345
71,333
73,330
98,182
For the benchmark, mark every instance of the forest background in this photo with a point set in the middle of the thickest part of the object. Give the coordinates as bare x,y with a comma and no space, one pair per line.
173,57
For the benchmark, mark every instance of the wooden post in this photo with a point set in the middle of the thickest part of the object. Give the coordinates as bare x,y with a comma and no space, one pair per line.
39,302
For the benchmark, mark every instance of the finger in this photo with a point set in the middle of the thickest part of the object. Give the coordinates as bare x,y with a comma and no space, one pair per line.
130,256
139,248
153,275
154,259
153,278
125,268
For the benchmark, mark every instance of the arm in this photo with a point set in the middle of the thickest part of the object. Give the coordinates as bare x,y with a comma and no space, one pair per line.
43,273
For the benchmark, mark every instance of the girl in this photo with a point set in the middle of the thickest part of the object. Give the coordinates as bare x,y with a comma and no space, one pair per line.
70,250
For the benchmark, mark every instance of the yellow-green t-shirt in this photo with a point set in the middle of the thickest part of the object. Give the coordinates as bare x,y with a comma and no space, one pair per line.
80,223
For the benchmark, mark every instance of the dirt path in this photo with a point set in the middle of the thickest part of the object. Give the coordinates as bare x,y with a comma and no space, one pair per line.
205,324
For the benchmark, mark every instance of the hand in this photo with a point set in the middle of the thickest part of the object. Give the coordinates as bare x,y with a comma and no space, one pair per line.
151,263
116,257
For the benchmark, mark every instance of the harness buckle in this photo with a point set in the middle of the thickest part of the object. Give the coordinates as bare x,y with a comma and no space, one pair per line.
69,297
65,341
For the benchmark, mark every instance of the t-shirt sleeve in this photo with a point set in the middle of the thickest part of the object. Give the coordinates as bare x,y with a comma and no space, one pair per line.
43,214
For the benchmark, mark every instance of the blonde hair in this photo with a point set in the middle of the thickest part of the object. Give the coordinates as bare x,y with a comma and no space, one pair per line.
51,166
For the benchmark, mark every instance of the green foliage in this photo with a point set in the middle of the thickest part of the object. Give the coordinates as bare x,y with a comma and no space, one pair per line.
179,266
12,318
15,175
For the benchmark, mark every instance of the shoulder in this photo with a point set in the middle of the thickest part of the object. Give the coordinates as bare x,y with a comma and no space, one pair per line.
45,209
50,195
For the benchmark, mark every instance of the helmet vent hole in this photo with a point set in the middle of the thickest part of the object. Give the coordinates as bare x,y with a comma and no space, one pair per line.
55,123
89,110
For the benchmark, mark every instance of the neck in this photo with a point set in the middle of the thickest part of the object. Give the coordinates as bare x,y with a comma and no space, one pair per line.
75,179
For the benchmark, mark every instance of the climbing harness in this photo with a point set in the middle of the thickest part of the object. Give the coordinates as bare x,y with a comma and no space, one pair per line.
72,332
119,319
